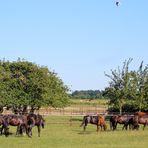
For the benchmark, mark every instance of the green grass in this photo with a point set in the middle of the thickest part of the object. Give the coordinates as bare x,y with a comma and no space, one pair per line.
72,136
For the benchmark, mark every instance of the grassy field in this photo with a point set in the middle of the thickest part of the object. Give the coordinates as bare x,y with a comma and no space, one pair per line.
59,133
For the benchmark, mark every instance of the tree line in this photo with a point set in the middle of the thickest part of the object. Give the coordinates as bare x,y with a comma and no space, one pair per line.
87,94
26,85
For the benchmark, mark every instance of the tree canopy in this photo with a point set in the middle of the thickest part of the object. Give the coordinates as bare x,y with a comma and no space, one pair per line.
24,84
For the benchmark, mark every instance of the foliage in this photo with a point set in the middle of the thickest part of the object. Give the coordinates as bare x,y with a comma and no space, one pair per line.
128,86
24,84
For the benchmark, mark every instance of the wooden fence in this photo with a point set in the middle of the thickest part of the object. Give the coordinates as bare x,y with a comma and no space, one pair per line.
73,110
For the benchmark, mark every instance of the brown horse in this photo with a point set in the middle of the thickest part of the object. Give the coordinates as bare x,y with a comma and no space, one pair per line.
136,120
35,120
20,121
121,119
97,120
143,120
102,122
140,114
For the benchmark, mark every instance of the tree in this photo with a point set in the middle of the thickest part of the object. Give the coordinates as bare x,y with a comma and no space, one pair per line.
118,87
24,84
128,89
139,86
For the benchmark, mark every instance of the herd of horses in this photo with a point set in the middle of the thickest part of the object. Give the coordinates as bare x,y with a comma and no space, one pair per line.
130,122
24,123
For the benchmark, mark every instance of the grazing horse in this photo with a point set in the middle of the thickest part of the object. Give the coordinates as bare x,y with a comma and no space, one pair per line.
121,119
35,120
102,123
20,121
143,120
136,120
93,119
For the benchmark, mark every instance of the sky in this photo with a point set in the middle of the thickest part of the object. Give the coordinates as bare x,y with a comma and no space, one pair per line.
78,39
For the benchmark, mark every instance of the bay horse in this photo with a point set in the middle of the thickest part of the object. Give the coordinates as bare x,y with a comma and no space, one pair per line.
121,119
20,121
97,120
35,120
136,120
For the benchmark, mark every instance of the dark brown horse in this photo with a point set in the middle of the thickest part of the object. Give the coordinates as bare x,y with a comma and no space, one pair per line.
121,119
35,120
97,120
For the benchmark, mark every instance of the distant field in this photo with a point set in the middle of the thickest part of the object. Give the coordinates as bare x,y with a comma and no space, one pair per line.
59,133
78,107
94,102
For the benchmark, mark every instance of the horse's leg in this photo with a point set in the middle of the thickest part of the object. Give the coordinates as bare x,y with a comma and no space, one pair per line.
101,127
84,127
6,131
17,130
125,126
144,126
28,130
97,128
130,126
114,126
2,129
39,130
111,125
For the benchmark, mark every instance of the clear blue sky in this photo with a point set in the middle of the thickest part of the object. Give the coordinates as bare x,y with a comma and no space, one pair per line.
79,39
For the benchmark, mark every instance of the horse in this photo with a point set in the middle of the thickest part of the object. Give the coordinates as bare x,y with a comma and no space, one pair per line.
140,114
136,120
121,119
97,120
35,120
102,123
20,121
143,120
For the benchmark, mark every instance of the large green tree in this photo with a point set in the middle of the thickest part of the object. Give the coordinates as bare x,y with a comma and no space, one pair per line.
24,84
118,88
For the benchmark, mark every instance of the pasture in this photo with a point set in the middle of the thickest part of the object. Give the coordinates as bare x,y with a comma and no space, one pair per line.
59,132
